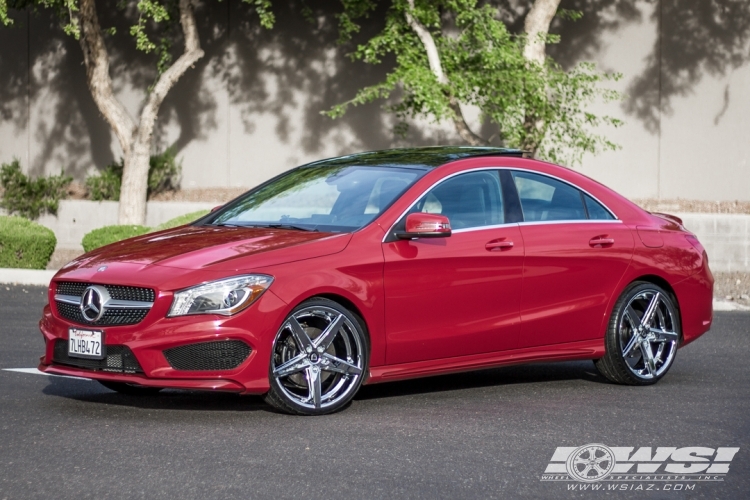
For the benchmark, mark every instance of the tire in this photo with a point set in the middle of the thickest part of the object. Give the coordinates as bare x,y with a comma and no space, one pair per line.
130,389
319,359
629,338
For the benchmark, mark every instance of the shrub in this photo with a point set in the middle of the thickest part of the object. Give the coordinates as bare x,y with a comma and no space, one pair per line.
110,234
31,197
25,244
181,220
106,185
163,175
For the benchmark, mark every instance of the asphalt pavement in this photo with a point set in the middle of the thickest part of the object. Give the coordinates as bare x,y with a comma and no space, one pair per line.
488,434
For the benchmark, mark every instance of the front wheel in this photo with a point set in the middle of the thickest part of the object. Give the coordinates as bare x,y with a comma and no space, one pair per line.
319,359
643,336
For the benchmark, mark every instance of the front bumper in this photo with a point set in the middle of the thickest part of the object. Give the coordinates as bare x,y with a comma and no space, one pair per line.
256,326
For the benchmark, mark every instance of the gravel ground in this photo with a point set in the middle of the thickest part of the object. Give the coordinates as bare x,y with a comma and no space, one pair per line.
732,286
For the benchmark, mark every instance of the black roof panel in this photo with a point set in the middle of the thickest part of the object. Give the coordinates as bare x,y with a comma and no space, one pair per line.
427,157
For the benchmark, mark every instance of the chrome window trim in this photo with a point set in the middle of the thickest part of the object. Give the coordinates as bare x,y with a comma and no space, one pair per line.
570,221
530,223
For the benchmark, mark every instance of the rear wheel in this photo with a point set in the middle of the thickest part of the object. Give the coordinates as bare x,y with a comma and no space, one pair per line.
130,389
643,336
319,359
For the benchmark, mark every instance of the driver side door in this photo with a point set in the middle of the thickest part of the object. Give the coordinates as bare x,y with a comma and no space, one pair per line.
456,295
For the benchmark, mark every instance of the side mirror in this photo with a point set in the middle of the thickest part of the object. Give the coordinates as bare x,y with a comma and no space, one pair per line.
216,208
422,225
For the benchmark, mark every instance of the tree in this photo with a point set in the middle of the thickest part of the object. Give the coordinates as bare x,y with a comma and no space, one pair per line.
453,53
135,136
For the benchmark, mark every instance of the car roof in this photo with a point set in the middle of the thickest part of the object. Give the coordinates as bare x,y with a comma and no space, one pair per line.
426,157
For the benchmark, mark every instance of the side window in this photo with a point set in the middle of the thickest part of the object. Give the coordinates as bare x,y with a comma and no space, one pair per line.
547,199
595,210
468,200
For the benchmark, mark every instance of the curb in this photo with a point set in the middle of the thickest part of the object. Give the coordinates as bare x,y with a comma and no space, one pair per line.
35,277
725,305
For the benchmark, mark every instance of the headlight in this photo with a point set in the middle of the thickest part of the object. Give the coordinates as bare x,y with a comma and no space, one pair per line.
226,297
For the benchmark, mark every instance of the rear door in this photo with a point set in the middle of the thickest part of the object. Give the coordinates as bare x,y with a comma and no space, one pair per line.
457,295
576,254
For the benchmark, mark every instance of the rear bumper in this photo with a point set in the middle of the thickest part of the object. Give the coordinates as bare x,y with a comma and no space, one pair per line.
695,297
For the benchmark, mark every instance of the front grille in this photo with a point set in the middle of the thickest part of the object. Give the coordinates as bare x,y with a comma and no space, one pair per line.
111,317
221,355
117,292
120,359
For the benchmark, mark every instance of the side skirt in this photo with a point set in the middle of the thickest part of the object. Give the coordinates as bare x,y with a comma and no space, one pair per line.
587,349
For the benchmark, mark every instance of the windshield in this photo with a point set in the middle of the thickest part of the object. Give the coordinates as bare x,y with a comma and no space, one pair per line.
324,198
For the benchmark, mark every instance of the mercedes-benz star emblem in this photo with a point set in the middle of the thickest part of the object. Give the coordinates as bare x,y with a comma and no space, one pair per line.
101,269
92,304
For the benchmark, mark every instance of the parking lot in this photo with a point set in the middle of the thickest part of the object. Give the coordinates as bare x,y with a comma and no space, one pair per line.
488,434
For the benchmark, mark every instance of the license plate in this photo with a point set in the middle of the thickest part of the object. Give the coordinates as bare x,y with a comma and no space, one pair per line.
86,344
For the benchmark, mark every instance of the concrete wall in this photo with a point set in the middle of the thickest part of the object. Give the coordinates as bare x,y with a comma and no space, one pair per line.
251,107
75,218
726,238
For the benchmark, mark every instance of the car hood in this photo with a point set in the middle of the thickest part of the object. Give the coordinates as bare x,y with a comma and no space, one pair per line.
208,248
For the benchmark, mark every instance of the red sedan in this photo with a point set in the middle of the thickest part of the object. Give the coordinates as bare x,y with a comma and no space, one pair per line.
384,266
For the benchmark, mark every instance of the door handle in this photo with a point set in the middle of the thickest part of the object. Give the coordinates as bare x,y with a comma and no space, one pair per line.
498,245
601,241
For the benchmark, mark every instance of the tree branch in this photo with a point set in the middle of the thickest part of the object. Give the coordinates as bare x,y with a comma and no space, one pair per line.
167,80
96,58
433,58
536,25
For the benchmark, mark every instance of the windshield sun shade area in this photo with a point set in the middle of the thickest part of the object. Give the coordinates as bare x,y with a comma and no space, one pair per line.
320,198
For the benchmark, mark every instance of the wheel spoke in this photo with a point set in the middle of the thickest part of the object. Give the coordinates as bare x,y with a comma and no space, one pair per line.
340,366
648,357
325,338
313,382
294,365
631,343
632,318
302,339
649,313
664,336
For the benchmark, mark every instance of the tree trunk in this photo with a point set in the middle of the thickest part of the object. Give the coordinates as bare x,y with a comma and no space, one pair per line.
135,141
536,25
433,58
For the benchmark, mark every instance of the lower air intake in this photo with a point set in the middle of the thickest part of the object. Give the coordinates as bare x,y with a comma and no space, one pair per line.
120,359
204,356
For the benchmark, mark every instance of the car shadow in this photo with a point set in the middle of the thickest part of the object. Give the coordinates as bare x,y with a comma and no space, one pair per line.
508,375
177,399
167,399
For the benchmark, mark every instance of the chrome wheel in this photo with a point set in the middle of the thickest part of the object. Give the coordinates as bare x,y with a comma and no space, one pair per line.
318,358
642,337
648,333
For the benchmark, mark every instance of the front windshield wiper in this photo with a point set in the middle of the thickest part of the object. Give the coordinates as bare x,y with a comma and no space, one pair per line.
271,225
286,226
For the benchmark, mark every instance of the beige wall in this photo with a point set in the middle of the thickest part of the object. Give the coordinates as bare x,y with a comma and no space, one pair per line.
250,108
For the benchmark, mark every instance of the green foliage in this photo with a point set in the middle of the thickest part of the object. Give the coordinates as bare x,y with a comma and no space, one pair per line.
31,197
536,108
163,175
181,220
110,234
105,185
25,244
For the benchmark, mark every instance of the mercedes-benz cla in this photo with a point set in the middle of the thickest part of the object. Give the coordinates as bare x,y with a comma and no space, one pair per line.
384,266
